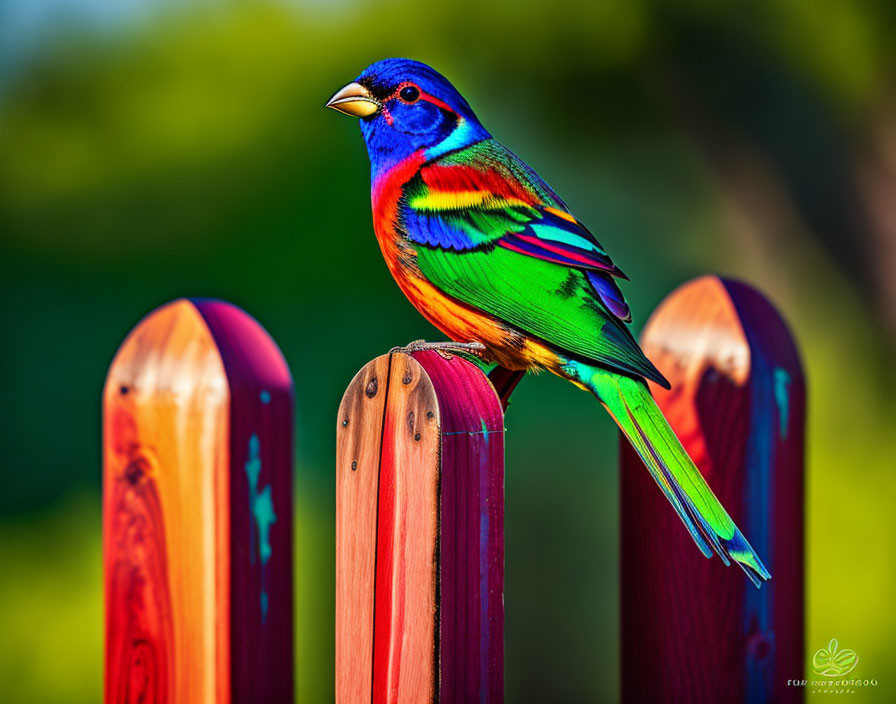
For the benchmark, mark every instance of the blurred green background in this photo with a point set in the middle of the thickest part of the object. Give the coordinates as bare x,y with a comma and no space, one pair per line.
153,150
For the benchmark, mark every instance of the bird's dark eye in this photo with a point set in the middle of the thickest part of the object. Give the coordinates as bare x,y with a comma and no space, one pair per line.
409,94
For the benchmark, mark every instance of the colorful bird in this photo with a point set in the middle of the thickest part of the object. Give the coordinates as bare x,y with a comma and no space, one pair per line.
490,255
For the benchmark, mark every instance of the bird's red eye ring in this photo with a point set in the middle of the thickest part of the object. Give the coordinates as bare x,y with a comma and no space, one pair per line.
409,94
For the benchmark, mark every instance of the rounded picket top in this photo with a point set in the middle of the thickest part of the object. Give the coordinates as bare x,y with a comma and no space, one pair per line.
197,509
419,533
737,404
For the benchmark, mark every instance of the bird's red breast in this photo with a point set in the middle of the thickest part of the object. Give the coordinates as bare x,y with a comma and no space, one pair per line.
458,321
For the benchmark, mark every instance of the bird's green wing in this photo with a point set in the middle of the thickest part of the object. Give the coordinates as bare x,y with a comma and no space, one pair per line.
551,302
490,233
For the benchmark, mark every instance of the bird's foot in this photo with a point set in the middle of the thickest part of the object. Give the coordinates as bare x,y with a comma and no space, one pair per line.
443,349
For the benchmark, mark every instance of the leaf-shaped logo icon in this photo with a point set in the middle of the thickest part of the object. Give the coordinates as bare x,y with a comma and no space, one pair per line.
832,662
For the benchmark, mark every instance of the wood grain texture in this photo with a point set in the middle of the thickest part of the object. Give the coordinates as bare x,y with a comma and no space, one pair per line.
359,432
261,505
177,417
692,630
471,561
404,622
419,579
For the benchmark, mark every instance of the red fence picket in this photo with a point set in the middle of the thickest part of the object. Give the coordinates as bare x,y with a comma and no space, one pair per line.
197,510
692,630
419,534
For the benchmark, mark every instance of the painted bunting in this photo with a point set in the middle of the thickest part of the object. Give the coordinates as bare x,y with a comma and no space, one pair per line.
491,256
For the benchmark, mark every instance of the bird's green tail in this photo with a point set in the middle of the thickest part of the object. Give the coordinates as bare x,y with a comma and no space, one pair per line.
634,410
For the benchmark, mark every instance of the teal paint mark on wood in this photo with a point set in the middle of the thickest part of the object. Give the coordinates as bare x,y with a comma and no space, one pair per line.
782,398
261,507
253,471
265,396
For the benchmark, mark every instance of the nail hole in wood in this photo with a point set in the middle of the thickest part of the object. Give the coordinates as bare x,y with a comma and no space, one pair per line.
135,471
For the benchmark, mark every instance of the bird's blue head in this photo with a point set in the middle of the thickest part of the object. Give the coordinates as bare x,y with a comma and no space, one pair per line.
406,106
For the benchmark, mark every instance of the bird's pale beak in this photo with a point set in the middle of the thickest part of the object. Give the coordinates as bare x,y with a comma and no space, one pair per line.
354,99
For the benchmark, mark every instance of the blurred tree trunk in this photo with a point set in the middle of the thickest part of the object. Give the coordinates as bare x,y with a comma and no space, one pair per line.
787,170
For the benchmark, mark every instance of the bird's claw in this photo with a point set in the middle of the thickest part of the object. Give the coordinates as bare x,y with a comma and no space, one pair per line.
443,349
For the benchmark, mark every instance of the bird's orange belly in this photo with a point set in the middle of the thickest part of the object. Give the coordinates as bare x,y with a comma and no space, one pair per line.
463,323
459,322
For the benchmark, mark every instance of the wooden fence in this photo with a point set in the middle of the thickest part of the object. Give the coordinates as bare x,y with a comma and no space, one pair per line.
197,511
419,534
198,516
693,631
